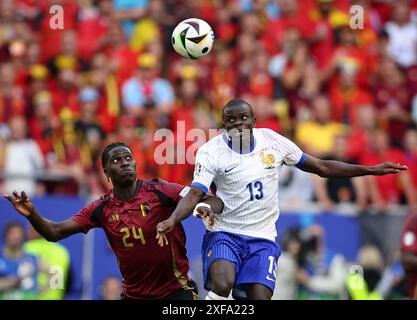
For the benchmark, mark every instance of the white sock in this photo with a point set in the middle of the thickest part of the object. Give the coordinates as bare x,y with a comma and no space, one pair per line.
212,296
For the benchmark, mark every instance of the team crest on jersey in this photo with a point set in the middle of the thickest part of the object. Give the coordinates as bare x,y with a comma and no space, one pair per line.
144,209
115,217
268,160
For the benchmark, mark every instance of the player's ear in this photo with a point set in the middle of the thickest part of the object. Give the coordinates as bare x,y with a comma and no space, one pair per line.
254,120
106,172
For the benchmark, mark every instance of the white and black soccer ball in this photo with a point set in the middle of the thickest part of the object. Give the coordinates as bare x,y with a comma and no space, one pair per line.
193,38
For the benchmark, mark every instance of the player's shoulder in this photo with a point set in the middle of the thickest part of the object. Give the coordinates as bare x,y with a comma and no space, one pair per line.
154,183
98,204
268,134
213,144
410,223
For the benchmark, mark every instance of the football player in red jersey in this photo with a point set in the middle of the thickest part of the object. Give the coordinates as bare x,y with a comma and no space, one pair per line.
409,253
128,214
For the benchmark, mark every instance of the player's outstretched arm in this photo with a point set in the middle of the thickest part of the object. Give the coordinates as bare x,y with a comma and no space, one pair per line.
339,169
184,208
51,231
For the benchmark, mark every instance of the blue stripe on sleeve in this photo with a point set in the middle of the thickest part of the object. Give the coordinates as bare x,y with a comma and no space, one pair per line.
301,161
200,186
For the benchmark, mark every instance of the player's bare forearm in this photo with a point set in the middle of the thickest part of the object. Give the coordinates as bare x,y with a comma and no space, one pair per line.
48,229
51,231
409,261
187,204
339,169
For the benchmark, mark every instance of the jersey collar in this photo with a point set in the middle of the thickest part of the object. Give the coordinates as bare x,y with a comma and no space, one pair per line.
228,141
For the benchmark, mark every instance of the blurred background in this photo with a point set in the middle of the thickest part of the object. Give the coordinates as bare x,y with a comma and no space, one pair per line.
111,75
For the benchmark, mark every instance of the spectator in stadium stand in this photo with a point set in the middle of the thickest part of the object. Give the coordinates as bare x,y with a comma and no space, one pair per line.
286,284
366,285
55,260
409,253
402,35
260,81
122,59
346,95
88,124
317,136
20,170
111,288
12,100
102,77
190,101
147,90
127,12
222,80
18,269
93,24
347,51
266,113
360,134
393,99
322,270
155,26
43,122
324,20
37,81
387,190
330,191
129,214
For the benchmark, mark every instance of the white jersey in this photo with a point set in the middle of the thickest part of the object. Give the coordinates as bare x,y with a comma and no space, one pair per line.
247,183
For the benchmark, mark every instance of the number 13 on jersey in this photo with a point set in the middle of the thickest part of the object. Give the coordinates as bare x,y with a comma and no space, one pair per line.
255,190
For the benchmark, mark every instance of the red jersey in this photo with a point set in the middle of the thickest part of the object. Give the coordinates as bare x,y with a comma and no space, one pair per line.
149,271
409,244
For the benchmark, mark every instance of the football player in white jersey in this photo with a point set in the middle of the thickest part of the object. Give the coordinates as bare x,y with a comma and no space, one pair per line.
242,167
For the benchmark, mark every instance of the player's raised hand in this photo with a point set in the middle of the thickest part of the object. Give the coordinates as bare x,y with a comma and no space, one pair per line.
388,168
205,212
162,229
21,203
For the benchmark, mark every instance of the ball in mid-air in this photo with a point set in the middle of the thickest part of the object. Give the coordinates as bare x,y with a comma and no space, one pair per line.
192,38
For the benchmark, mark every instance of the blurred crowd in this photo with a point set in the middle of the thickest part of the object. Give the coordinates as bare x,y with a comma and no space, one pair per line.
111,74
309,268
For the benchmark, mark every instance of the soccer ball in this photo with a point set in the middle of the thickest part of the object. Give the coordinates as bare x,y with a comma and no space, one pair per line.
192,38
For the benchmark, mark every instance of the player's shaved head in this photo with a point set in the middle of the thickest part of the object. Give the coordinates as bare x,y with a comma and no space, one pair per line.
111,146
234,103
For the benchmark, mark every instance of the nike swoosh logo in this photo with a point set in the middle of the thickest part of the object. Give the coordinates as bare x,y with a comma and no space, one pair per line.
228,170
270,279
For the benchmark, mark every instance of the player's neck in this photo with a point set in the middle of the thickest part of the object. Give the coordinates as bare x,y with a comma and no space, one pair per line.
126,192
240,145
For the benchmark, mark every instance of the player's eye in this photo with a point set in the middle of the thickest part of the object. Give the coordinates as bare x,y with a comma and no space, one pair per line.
244,117
128,158
115,160
231,120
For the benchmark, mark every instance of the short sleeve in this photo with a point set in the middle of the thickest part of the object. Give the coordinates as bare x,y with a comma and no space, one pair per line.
203,170
293,156
172,190
83,217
